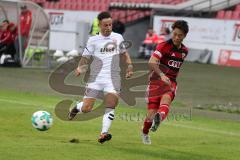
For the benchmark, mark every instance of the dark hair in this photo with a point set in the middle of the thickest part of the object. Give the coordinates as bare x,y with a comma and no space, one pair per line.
23,7
182,25
103,15
167,30
6,21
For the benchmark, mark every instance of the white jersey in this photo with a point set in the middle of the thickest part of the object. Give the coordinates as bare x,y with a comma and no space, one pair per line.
105,52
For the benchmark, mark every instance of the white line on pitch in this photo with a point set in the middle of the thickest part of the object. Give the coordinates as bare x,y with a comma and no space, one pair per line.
205,129
21,103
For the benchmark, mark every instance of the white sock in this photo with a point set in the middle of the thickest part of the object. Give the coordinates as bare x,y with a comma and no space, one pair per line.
79,106
107,120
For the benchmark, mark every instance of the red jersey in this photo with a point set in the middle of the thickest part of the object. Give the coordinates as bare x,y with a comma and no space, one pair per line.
25,22
1,32
171,59
151,39
6,37
14,31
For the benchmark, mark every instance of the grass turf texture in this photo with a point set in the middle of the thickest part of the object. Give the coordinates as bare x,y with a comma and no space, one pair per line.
24,91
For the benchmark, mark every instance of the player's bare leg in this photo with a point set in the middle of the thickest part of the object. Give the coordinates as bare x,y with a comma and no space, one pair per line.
81,107
162,112
110,101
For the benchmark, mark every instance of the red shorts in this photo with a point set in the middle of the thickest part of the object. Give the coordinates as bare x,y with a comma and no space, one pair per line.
156,89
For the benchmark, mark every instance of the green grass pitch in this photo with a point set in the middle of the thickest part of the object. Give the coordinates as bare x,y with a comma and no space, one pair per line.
194,136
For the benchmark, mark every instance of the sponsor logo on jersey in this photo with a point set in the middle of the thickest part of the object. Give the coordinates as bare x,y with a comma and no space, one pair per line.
174,64
107,50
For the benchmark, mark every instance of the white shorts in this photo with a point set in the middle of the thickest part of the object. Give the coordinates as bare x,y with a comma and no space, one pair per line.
98,89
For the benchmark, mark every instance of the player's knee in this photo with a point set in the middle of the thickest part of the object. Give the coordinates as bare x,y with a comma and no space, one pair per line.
111,100
111,105
166,99
166,96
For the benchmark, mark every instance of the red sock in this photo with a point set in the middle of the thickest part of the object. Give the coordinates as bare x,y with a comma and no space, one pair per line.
147,126
163,110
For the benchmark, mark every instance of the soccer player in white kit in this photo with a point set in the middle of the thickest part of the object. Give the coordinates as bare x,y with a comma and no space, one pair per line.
106,49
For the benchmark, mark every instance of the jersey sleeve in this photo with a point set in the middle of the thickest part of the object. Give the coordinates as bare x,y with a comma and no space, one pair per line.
122,45
158,53
89,49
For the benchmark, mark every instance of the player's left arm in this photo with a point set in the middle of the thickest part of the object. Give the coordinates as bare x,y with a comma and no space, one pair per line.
127,59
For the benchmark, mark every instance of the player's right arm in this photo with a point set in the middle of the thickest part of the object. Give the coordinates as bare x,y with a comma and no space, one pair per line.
82,66
83,63
154,66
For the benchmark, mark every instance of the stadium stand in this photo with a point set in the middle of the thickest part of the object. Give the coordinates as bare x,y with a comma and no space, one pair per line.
101,5
229,14
128,15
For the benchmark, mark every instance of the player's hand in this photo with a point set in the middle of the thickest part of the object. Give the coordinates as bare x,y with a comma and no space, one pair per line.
129,71
165,79
81,69
77,71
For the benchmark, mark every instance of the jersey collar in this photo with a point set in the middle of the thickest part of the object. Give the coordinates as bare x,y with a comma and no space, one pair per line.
100,34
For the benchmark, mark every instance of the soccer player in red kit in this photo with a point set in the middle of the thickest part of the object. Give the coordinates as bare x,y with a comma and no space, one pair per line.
25,28
25,21
5,38
164,63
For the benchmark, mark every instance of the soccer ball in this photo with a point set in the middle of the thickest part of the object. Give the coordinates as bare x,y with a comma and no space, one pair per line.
42,120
